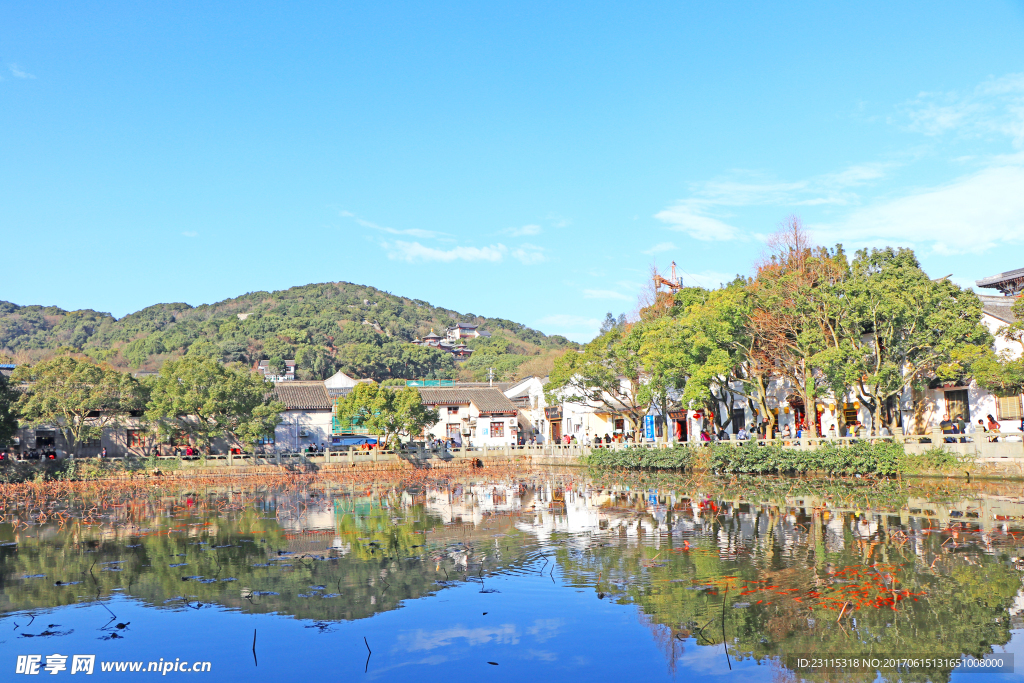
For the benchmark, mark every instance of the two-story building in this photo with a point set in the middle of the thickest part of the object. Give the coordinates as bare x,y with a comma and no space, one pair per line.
473,416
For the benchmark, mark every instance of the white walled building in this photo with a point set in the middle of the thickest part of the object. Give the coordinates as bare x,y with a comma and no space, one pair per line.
472,416
307,417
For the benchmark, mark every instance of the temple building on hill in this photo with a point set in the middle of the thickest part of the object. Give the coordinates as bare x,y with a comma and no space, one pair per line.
447,343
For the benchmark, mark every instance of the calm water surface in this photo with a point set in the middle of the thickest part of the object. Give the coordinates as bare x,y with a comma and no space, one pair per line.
529,576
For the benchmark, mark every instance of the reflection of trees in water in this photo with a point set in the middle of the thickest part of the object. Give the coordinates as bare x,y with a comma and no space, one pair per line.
781,565
784,577
227,547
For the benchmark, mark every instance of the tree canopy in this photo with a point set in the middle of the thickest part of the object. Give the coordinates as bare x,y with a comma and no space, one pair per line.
77,396
200,399
871,329
386,411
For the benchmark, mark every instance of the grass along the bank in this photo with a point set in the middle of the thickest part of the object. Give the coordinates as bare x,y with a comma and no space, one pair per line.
883,459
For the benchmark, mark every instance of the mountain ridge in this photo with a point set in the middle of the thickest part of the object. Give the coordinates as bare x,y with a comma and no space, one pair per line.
325,327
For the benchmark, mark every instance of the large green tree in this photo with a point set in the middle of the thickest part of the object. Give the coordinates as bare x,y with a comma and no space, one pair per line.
8,410
913,328
201,399
77,396
607,374
386,411
795,310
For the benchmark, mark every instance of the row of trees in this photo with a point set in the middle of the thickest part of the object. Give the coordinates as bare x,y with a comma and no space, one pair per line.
192,400
871,328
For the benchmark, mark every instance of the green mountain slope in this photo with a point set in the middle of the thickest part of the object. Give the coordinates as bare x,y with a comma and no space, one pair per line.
324,327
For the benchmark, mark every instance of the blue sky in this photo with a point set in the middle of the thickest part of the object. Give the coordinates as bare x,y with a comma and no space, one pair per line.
524,160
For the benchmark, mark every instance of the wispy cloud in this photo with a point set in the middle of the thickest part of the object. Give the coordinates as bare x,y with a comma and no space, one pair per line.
971,214
523,231
18,72
704,215
575,327
660,248
413,252
558,221
687,217
605,294
411,232
190,233
996,106
708,279
529,254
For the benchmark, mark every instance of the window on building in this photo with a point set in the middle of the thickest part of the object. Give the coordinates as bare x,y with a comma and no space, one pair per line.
453,431
266,440
453,410
739,418
91,443
849,414
497,429
135,438
957,405
1010,407
46,439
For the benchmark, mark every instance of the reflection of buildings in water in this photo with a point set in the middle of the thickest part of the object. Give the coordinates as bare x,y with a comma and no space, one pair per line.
469,504
864,528
1017,611
298,512
835,534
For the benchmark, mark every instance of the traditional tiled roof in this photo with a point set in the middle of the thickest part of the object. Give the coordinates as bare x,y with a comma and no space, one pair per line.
339,392
1009,282
303,395
486,400
999,307
501,386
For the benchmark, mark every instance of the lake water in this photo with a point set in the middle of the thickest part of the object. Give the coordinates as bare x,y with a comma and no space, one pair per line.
512,576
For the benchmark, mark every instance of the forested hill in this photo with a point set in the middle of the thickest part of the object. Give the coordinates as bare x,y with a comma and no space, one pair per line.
325,327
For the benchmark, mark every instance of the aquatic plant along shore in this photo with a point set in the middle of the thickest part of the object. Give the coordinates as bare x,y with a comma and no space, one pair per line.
502,565
882,459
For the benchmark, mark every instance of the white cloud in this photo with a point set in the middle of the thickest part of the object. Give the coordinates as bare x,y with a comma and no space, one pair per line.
411,232
605,294
968,215
703,215
575,327
190,233
506,634
994,107
529,254
414,251
685,217
708,279
18,72
660,247
524,230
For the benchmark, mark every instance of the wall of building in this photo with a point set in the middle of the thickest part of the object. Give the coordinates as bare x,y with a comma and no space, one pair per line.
478,425
316,424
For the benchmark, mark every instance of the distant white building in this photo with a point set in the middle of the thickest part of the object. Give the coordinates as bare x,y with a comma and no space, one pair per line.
472,416
263,367
307,416
461,331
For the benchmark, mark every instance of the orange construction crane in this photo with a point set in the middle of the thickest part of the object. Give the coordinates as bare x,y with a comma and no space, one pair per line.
674,284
